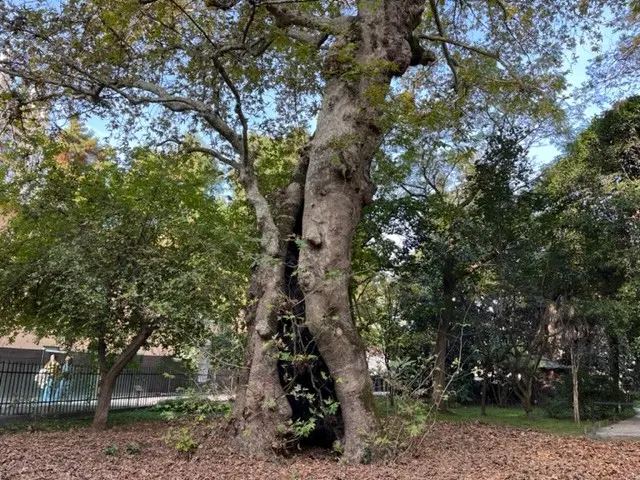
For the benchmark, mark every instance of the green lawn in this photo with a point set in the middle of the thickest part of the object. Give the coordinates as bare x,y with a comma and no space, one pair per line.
514,417
53,424
511,416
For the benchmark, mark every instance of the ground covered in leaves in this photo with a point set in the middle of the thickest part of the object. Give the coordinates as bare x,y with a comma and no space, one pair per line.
450,451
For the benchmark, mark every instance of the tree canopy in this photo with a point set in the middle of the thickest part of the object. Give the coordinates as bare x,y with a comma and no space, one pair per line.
118,255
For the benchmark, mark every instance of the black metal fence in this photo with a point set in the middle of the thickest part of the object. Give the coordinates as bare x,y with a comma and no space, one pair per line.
26,388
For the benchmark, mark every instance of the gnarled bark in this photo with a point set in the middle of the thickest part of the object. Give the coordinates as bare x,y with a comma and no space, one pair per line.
261,406
338,186
359,67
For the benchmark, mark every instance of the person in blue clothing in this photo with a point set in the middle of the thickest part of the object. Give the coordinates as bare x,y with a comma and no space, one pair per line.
52,373
65,376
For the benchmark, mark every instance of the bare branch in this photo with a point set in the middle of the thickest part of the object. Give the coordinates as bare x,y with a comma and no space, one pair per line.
215,154
246,158
123,87
480,51
177,104
189,148
458,43
445,49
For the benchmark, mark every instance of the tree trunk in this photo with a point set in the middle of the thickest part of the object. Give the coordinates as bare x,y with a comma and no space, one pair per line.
337,187
523,388
261,409
526,404
108,376
614,363
358,70
483,395
105,390
574,383
446,318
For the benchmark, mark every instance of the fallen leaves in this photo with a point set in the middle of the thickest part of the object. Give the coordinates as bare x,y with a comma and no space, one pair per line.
450,451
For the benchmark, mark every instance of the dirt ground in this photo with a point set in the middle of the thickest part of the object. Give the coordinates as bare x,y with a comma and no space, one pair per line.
451,451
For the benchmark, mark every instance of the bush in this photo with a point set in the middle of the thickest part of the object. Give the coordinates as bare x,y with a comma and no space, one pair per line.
182,441
111,450
132,448
199,406
558,402
402,426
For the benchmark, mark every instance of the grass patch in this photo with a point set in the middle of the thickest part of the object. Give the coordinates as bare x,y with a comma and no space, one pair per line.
514,417
60,424
188,407
510,416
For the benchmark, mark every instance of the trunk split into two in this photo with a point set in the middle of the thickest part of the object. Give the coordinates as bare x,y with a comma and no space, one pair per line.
324,203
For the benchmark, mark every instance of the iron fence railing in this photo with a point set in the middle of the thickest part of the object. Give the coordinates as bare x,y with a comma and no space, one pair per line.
26,388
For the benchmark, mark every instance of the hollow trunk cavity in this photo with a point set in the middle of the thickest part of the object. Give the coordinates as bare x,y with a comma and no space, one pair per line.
300,328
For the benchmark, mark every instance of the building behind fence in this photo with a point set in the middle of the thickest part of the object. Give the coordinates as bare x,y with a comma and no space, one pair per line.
26,390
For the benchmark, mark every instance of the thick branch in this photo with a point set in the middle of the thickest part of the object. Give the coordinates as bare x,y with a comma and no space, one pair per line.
302,36
130,351
179,104
122,87
221,4
287,17
419,54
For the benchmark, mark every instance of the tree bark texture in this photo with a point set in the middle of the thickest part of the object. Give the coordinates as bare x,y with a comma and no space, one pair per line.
261,408
358,71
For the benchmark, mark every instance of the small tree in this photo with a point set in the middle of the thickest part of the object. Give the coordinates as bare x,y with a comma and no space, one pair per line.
119,257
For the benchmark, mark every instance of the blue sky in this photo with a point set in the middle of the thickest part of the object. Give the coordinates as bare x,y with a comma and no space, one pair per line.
578,75
541,154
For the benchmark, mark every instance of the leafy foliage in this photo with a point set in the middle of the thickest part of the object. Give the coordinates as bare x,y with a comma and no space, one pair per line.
95,249
192,405
182,441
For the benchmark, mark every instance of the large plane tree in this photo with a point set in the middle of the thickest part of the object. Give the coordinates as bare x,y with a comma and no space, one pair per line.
226,71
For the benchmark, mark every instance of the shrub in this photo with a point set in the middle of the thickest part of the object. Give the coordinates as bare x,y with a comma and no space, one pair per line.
182,441
558,402
402,426
132,448
111,450
199,406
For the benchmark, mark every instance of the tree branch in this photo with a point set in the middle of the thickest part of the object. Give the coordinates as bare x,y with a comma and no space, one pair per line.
132,349
445,49
187,148
302,36
221,4
244,152
287,17
159,96
478,50
419,54
177,104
